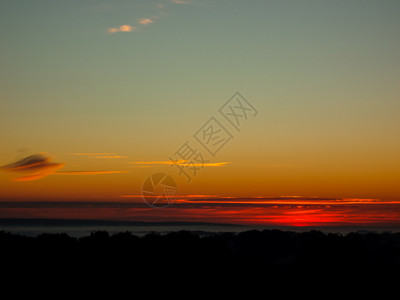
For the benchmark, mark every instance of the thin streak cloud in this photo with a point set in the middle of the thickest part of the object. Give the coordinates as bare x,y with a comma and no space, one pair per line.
180,1
180,163
38,166
95,153
182,196
100,155
89,172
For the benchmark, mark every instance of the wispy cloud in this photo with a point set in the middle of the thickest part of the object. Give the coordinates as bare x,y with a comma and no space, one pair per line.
286,200
91,153
297,201
180,1
160,162
34,166
180,196
129,28
180,163
145,21
89,172
100,155
122,28
38,166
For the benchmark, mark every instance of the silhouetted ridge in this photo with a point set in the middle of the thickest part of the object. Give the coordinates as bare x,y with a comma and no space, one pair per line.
272,247
182,262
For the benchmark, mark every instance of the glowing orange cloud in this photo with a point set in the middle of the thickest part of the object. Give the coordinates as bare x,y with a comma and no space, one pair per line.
39,166
100,155
180,163
185,196
45,171
35,166
180,1
89,172
287,201
122,28
90,154
145,21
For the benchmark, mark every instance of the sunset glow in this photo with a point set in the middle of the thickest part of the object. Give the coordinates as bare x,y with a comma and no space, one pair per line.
275,113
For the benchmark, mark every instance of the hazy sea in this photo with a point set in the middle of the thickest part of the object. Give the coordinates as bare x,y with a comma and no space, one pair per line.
81,218
138,230
80,228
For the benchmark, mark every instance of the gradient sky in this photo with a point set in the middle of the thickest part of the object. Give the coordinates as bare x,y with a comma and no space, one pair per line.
97,85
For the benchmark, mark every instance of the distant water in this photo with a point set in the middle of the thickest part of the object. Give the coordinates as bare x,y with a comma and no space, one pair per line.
80,231
80,228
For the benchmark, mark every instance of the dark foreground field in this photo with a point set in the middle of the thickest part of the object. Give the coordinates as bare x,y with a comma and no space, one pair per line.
172,262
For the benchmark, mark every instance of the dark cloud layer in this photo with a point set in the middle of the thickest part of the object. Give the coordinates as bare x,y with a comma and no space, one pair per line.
40,165
33,167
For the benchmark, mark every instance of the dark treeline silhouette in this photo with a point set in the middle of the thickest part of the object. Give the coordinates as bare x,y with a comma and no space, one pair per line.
193,259
267,247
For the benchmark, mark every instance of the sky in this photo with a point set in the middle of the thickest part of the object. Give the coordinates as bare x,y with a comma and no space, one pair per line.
96,96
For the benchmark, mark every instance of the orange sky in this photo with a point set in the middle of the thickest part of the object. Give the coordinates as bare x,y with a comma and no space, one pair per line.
90,109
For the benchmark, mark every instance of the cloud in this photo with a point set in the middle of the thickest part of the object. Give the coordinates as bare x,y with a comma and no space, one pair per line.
181,196
126,28
113,30
92,153
180,1
89,172
122,28
38,166
108,156
100,155
145,21
129,28
295,201
180,163
161,162
34,166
